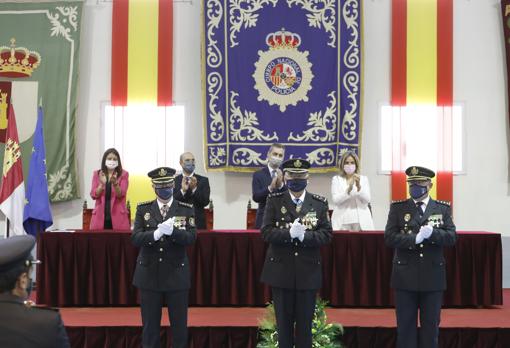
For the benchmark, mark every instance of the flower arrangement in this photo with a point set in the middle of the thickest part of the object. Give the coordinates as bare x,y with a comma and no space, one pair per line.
324,335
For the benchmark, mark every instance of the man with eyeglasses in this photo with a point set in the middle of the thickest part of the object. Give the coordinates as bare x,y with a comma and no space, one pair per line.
418,228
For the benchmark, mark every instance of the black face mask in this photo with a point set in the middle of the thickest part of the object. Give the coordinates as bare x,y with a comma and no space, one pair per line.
297,185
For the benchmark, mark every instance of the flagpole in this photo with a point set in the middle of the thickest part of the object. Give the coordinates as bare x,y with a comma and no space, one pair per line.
7,227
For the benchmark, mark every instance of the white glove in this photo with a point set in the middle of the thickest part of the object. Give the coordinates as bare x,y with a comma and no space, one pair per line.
426,231
157,234
166,229
419,237
169,222
297,230
294,229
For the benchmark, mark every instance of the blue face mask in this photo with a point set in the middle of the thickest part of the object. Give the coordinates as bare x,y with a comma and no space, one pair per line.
417,191
297,185
165,193
189,167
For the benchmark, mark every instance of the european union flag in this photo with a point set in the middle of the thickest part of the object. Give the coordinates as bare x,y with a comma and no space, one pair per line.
37,214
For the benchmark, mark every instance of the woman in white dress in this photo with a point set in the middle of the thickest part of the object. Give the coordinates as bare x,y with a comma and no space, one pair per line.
351,197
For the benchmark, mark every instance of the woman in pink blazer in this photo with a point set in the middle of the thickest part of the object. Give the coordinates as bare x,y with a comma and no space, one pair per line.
109,187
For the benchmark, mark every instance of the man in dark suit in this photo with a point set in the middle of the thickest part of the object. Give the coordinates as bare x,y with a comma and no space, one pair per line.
192,188
163,229
268,180
418,228
296,224
21,324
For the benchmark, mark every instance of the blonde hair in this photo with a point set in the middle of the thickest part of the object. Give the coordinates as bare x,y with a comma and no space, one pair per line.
344,158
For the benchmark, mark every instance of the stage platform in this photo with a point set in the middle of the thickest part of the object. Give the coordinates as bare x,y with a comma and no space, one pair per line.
236,327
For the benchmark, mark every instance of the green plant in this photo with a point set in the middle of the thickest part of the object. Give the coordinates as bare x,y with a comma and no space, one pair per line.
324,335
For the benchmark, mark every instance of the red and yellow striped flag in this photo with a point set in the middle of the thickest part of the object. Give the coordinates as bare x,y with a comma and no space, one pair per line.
422,73
142,52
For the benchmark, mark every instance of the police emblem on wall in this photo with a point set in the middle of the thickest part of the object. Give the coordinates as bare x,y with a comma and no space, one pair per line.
283,74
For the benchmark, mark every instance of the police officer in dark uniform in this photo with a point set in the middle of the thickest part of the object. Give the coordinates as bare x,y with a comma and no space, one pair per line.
22,324
418,228
296,224
163,229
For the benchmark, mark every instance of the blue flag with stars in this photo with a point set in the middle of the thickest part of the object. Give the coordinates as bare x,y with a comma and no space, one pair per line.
37,214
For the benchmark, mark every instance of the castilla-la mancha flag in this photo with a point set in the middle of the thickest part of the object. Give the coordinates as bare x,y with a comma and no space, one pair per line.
12,189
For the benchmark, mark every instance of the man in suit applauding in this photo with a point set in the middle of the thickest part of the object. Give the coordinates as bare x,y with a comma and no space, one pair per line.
418,228
192,188
268,180
296,224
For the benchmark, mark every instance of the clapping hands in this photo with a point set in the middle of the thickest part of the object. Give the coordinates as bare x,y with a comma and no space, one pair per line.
297,230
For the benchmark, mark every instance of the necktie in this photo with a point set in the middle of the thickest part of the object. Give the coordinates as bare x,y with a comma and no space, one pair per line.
273,174
298,203
419,206
164,210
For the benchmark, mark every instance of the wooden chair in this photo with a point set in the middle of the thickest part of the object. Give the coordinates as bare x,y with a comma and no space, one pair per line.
87,215
209,216
251,217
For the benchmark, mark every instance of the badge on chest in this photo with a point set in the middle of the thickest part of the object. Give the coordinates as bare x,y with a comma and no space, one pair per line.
435,220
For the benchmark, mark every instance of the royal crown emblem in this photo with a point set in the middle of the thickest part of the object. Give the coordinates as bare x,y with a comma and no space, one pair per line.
18,61
297,164
414,171
283,74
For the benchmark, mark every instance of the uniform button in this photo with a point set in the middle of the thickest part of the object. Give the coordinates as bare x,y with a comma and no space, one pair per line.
160,259
421,255
296,253
398,262
150,243
272,259
182,264
410,248
160,249
421,245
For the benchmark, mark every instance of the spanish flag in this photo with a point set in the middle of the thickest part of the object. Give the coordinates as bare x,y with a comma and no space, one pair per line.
422,74
142,52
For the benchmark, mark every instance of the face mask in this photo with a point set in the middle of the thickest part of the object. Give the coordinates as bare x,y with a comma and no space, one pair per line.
297,185
349,169
111,164
275,162
417,191
188,167
165,193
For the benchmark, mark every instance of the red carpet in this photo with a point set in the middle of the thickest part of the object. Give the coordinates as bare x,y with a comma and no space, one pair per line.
237,327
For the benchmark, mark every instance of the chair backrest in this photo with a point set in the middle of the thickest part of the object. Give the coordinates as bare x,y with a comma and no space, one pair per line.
209,216
87,215
251,217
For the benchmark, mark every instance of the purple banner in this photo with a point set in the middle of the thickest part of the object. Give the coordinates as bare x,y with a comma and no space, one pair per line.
286,71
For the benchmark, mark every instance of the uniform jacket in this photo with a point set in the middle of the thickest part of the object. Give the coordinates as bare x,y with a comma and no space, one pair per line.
259,185
27,327
349,205
199,198
289,263
419,267
119,213
162,265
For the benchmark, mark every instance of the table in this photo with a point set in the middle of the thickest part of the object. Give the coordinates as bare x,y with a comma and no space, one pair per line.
96,269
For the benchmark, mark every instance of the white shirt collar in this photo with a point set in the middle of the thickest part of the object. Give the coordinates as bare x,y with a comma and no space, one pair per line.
270,168
424,201
301,198
187,176
160,204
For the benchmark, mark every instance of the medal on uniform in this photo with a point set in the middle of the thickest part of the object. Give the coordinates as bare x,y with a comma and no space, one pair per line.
283,210
147,216
407,217
192,221
298,207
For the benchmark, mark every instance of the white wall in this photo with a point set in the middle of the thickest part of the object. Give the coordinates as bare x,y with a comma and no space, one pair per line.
481,196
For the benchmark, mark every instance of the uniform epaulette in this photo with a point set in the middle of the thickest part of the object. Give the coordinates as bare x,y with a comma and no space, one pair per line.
399,201
320,198
274,194
189,205
144,203
444,202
